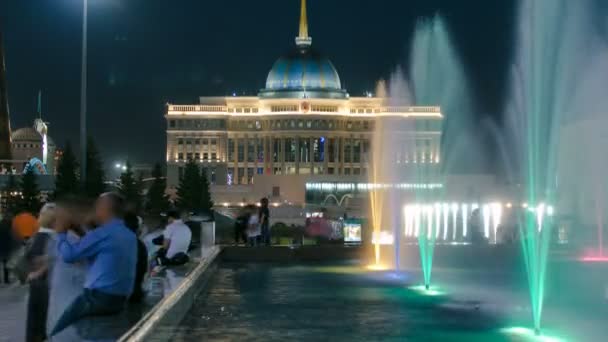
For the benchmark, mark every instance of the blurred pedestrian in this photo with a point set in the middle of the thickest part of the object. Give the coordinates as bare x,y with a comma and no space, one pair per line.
111,249
265,221
7,245
253,227
67,279
240,226
133,222
38,257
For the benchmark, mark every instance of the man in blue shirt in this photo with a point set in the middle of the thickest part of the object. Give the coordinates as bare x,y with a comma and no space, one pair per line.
111,250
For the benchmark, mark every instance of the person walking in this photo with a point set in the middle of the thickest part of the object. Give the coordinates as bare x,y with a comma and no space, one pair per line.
111,249
265,221
38,258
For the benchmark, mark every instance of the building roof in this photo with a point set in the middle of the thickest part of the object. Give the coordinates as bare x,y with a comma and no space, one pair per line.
303,72
28,134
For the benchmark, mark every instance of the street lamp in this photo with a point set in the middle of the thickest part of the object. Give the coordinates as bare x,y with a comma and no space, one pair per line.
83,96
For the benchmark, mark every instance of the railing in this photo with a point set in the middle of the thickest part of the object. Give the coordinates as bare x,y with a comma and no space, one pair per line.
197,108
371,110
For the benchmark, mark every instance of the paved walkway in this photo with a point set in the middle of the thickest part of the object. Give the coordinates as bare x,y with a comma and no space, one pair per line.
12,313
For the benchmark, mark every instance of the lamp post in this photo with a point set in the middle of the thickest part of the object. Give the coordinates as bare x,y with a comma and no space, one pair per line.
83,97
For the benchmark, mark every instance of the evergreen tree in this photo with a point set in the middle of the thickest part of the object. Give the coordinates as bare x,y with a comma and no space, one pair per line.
157,200
30,195
94,184
13,200
129,187
189,190
66,181
206,203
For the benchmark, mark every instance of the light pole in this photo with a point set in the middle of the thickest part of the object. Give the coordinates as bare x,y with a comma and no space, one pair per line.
83,97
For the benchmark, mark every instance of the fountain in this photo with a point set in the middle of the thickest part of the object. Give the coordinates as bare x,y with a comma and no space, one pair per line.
550,56
436,77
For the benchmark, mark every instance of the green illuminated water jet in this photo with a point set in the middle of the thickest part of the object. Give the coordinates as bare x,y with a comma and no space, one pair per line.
545,82
426,242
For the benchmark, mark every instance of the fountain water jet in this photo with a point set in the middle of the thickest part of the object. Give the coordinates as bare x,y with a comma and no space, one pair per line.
550,53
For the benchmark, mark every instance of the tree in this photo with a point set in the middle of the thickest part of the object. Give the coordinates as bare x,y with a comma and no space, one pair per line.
13,200
157,200
206,202
66,181
30,194
94,183
189,192
129,187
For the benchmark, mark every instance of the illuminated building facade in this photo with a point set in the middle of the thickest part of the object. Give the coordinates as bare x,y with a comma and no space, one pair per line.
302,127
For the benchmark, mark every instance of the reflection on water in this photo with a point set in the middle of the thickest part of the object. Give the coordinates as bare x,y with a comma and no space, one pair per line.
266,302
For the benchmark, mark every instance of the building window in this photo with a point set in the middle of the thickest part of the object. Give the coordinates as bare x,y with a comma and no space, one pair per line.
231,150
241,151
347,150
284,108
357,151
258,125
319,149
250,175
260,150
276,150
250,150
349,125
213,142
188,142
180,156
366,125
180,141
290,150
197,156
214,156
189,156
260,170
304,150
241,175
330,170
356,172
347,172
197,141
331,147
276,191
229,177
172,123
205,156
324,109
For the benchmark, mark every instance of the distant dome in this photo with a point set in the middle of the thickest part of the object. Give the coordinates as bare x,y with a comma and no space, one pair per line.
303,73
29,134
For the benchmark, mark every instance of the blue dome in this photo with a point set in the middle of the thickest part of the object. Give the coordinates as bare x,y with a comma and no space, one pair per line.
303,73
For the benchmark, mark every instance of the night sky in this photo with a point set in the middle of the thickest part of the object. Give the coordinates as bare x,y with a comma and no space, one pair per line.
145,53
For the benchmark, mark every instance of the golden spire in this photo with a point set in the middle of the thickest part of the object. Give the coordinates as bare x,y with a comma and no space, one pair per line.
303,39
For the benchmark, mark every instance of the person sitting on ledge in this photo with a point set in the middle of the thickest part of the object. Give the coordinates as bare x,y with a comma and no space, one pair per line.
111,250
175,242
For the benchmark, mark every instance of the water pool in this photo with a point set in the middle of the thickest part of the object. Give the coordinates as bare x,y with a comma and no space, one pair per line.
268,302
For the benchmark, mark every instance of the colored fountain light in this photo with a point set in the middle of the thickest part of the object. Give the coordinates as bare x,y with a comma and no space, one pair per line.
383,238
548,76
526,334
432,291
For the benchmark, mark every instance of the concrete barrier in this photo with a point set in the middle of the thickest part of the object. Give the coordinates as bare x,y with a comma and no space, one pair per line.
160,322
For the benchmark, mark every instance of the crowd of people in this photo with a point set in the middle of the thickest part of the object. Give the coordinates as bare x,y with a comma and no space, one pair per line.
252,225
88,260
